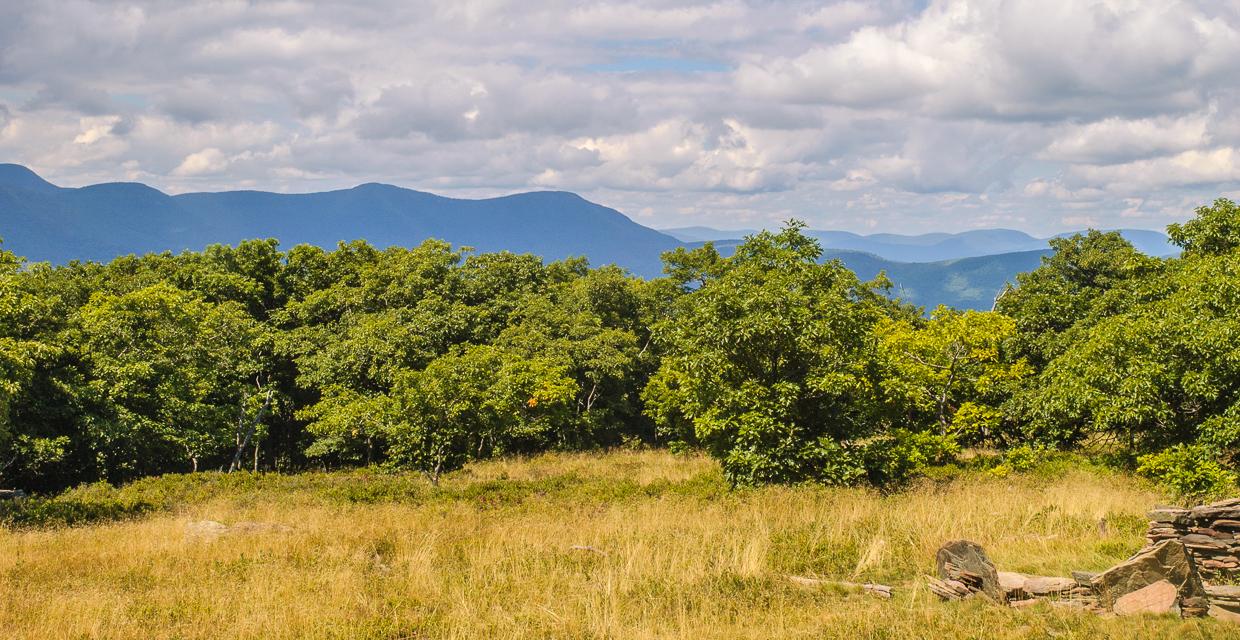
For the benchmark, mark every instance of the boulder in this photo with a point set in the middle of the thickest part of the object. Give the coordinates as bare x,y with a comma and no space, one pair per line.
966,562
1157,598
1166,561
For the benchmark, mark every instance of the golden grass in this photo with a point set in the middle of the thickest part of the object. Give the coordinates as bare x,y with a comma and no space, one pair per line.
677,558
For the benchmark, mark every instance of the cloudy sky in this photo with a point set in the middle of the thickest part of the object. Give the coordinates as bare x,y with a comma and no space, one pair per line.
900,115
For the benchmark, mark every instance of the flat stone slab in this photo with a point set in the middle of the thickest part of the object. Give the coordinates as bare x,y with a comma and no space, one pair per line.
1012,584
1157,598
1048,585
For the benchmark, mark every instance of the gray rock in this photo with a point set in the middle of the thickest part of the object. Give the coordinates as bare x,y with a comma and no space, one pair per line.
206,528
1205,543
1169,515
1047,585
1212,512
1084,578
966,562
1167,560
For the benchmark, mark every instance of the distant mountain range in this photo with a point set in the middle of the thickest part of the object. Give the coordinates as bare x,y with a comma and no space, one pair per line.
932,247
41,221
44,222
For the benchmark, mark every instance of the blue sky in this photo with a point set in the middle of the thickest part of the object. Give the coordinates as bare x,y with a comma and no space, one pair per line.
900,115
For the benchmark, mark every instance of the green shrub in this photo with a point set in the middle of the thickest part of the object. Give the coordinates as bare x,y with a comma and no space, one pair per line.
892,459
1191,471
86,504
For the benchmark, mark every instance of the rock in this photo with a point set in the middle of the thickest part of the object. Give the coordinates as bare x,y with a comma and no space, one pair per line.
1212,512
12,494
1167,560
1198,541
1084,578
1230,614
1169,515
966,562
1157,598
1230,525
1194,607
948,589
1012,584
212,529
1046,586
206,528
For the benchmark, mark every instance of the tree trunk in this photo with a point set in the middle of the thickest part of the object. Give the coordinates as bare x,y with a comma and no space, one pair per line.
249,435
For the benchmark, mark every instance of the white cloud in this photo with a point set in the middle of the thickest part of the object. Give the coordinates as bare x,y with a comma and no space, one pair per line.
1116,140
205,162
898,114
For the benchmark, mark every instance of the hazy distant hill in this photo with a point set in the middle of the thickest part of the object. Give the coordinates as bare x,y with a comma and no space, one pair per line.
932,247
967,283
44,222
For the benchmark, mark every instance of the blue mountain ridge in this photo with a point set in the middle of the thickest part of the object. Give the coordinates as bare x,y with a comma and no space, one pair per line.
932,247
44,222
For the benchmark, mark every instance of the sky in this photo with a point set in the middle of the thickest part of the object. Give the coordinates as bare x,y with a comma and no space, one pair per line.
900,116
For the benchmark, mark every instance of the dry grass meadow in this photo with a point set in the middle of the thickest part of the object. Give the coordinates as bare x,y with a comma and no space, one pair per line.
673,554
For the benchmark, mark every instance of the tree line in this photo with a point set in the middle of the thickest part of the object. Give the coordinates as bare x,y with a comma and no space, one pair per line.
783,367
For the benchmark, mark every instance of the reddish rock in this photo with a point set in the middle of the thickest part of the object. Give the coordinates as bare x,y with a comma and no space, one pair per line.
1157,598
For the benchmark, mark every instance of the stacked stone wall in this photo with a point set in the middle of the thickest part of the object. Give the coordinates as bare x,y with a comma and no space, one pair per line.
1210,533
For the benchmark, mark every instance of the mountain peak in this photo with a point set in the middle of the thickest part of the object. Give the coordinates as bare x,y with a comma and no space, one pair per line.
16,175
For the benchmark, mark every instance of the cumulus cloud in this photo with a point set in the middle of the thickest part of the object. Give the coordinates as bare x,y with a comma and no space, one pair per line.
205,162
886,114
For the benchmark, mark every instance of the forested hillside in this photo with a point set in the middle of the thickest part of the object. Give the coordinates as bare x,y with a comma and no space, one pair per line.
781,366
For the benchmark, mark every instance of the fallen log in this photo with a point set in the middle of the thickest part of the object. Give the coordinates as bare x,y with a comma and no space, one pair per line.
880,590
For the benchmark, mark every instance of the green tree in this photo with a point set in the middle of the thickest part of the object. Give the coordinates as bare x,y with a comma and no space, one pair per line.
472,404
773,364
1089,276
167,371
1215,230
949,371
